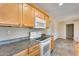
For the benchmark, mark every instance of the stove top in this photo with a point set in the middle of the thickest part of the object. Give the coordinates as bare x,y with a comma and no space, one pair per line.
42,38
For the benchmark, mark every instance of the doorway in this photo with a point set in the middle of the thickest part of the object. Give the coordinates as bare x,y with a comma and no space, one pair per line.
70,31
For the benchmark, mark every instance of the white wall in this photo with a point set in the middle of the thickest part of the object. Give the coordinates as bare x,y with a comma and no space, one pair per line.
62,29
53,28
76,31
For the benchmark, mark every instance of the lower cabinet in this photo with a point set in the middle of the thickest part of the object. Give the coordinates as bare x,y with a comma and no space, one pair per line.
52,43
32,51
23,53
35,53
76,49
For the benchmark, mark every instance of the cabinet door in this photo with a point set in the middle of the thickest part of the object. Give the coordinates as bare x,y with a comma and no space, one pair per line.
23,53
28,16
47,21
76,49
35,53
9,14
52,43
34,50
39,14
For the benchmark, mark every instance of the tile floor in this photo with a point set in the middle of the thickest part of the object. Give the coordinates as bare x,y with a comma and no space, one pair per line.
63,48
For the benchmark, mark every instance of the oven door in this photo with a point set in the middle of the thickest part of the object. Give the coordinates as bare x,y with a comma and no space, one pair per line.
45,48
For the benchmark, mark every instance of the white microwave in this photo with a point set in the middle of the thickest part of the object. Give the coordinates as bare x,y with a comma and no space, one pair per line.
39,23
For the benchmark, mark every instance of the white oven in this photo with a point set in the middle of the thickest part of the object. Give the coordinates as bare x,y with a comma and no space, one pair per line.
45,47
44,44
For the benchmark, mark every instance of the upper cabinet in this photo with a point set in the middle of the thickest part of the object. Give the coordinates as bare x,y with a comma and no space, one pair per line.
42,16
36,13
47,21
28,16
23,15
39,14
9,14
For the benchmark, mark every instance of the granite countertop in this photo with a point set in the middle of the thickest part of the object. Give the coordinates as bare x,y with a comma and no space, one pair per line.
16,47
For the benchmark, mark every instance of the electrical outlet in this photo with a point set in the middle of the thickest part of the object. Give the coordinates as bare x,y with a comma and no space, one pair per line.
9,32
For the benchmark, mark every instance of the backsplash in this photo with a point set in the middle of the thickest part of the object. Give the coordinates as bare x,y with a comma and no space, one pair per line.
11,33
8,33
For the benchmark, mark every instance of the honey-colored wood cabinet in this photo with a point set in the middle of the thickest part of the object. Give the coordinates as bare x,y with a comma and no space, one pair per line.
35,53
39,14
52,43
36,13
9,14
34,50
76,49
47,21
28,16
20,15
23,53
31,51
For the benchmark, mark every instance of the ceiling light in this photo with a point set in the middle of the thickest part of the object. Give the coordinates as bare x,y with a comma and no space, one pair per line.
60,4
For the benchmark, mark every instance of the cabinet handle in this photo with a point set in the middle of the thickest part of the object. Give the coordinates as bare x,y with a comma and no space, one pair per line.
24,25
18,24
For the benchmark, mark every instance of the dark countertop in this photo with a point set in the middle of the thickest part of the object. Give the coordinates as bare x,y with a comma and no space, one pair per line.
16,47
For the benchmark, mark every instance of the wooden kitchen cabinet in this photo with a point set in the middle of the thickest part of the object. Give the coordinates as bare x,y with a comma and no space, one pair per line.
36,13
20,15
52,43
23,53
34,50
39,14
35,53
28,16
76,49
47,21
9,14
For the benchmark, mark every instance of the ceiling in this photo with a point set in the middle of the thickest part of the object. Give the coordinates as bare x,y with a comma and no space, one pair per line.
68,11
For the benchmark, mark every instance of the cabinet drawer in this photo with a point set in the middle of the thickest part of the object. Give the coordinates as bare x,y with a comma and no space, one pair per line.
35,53
35,47
23,53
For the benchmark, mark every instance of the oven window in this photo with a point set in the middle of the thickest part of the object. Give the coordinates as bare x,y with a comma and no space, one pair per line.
46,49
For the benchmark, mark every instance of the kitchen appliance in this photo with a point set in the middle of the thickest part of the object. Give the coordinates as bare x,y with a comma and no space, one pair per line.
39,23
44,43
